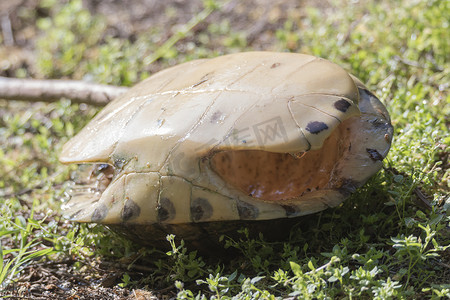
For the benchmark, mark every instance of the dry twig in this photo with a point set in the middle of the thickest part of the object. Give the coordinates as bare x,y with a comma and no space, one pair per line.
52,90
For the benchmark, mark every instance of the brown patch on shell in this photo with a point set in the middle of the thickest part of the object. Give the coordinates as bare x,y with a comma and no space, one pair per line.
281,176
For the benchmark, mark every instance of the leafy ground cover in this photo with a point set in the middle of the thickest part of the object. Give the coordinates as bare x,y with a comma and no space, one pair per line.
389,240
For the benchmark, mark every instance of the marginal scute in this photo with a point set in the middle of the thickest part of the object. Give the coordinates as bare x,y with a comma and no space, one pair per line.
224,208
247,211
291,210
99,213
201,209
130,210
166,210
177,191
142,189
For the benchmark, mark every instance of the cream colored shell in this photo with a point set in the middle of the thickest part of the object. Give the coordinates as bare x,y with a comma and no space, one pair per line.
161,135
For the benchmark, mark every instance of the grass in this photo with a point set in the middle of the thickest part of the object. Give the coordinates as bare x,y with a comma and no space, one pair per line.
389,240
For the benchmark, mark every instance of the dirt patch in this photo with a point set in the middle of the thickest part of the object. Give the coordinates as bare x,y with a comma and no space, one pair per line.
256,20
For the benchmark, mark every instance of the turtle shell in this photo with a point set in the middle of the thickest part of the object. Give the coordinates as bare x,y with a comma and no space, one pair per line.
243,137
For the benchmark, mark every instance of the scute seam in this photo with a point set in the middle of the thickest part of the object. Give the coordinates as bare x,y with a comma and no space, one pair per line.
298,69
126,124
202,117
316,109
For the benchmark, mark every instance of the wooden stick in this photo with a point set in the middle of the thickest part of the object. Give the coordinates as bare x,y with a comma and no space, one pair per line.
53,90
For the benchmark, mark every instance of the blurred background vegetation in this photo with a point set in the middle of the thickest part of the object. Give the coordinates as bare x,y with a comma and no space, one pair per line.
390,240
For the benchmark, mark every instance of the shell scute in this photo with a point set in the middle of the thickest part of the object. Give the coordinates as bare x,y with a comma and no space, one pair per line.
112,201
174,200
207,205
163,130
99,214
267,126
201,210
130,210
166,210
141,197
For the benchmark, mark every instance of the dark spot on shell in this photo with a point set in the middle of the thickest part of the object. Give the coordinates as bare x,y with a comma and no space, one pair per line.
275,65
316,127
216,117
130,210
166,210
99,213
290,210
72,216
342,105
247,211
347,187
374,154
201,209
